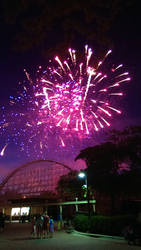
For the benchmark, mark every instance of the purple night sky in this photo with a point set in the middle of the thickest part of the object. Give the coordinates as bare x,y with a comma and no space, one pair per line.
127,40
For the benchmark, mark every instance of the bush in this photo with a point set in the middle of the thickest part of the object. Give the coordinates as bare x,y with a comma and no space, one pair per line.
109,225
81,223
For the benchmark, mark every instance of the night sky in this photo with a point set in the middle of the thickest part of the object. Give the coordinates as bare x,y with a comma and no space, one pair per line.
123,36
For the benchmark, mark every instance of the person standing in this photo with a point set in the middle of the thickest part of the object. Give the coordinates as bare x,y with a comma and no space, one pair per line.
39,226
34,229
2,222
58,222
45,225
51,227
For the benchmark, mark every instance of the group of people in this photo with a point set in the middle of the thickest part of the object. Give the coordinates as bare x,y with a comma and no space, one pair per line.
42,226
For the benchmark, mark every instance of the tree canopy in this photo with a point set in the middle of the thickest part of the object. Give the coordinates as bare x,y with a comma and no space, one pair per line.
114,165
70,186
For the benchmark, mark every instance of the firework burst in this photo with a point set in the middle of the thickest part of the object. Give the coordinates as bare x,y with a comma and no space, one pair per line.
69,99
77,96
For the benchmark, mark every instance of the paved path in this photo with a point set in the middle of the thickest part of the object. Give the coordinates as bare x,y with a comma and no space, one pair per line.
17,237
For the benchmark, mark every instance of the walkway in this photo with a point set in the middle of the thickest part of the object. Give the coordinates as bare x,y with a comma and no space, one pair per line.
17,237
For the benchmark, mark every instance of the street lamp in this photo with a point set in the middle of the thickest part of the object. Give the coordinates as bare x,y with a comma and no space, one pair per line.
83,175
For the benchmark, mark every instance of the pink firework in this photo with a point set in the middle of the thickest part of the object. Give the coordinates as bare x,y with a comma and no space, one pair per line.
77,97
70,100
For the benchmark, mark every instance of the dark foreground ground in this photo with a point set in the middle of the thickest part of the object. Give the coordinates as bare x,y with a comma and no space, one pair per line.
17,237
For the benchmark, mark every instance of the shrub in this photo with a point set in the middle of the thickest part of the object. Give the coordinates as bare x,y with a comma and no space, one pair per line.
81,223
109,225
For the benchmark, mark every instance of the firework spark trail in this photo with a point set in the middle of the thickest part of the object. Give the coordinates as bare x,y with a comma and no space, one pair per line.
3,150
69,99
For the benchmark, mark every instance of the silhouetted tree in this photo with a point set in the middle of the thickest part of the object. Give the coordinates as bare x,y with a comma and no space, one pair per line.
70,186
129,142
115,167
